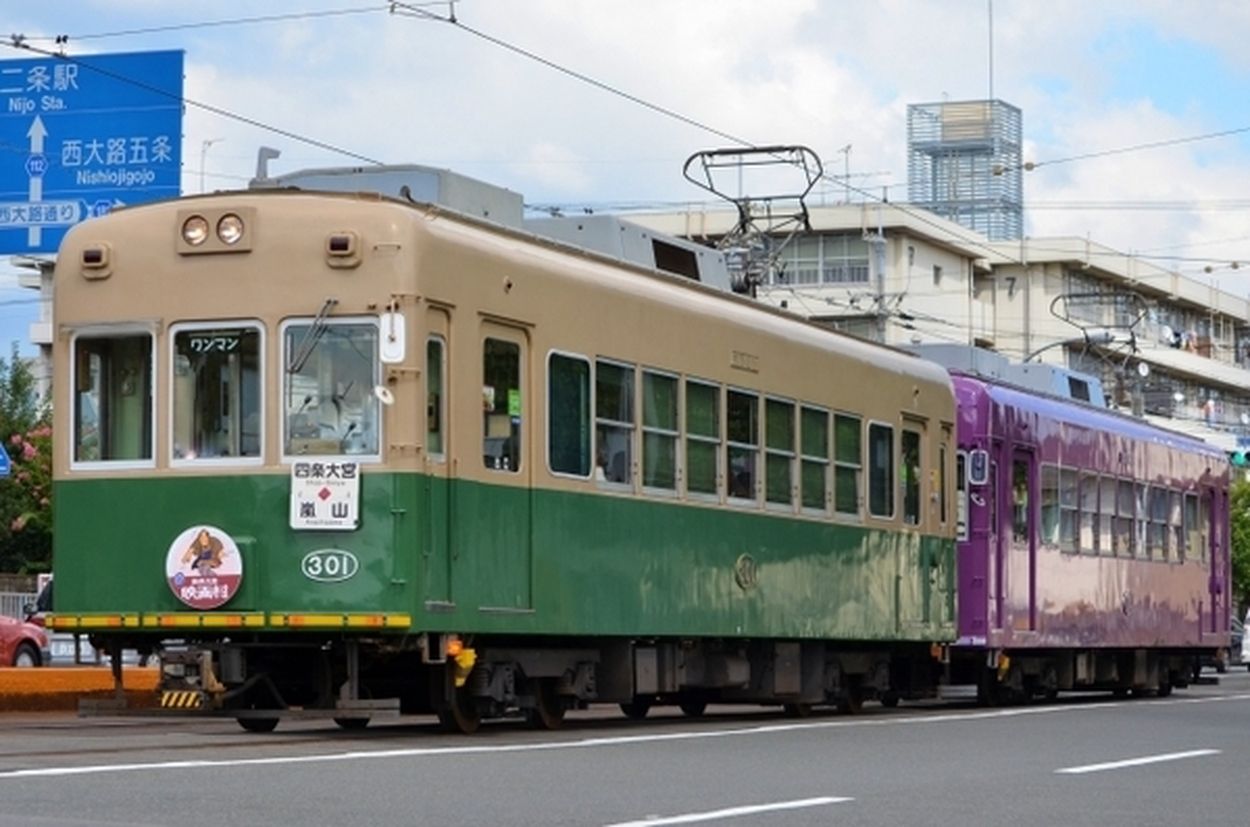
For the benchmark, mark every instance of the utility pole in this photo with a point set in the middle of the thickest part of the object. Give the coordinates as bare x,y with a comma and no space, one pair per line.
204,145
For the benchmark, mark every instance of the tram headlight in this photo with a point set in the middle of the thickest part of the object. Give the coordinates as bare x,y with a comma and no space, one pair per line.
230,229
195,230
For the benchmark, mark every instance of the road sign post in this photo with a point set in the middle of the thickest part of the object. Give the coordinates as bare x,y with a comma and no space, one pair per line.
87,135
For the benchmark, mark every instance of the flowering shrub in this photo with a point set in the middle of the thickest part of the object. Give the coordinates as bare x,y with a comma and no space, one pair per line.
26,494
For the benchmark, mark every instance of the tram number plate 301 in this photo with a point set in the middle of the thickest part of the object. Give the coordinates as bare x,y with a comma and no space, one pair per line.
329,565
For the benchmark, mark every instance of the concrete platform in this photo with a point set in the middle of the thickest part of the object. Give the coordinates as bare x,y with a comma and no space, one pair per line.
60,688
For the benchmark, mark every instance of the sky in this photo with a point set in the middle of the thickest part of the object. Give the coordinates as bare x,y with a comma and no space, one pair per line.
598,103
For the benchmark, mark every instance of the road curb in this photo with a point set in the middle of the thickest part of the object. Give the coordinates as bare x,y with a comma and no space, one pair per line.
59,689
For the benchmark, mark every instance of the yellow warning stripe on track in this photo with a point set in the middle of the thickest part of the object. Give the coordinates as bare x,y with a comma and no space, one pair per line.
181,699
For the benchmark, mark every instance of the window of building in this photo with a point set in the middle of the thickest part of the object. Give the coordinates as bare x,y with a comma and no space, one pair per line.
937,275
848,464
742,443
113,398
880,470
614,420
435,397
216,392
568,414
659,431
778,451
328,403
814,475
501,405
702,436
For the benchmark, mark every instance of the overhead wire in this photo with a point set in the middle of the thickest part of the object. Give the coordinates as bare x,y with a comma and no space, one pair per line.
21,43
422,11
237,21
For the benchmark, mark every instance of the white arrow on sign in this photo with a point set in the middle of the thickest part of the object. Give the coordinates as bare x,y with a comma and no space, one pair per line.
36,133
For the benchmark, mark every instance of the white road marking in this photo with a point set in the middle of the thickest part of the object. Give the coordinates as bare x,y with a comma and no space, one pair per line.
590,743
732,812
1137,762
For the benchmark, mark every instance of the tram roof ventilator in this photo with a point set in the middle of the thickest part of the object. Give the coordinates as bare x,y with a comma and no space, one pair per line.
607,235
1044,378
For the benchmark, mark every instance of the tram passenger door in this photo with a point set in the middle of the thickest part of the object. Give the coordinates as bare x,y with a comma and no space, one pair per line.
434,526
492,554
1215,508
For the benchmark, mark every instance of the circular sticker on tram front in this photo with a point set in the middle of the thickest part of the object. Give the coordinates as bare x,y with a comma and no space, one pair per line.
203,567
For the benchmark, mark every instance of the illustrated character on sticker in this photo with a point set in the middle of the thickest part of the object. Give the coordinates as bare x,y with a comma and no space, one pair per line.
205,554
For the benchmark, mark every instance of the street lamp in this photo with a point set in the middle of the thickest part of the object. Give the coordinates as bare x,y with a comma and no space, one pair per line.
204,145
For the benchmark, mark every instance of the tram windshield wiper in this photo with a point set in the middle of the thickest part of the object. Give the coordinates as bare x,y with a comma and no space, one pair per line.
311,337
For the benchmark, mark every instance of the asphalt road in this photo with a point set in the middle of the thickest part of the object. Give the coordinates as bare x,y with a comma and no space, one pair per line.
1084,761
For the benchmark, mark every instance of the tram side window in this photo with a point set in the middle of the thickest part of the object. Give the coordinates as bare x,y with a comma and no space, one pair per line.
848,458
113,398
742,430
659,431
1193,532
1204,528
1088,527
568,412
1124,545
1050,506
778,451
943,473
1107,537
910,469
434,396
216,393
1020,501
328,402
1139,497
501,405
702,436
1157,528
614,421
1069,502
881,470
1176,534
814,482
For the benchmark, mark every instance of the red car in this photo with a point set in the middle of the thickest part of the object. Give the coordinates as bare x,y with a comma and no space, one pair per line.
23,644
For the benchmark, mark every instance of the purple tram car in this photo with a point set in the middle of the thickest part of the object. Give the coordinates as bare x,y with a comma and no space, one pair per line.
1093,547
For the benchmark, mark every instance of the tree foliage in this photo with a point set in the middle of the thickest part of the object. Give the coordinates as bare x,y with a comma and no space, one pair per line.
26,494
1239,512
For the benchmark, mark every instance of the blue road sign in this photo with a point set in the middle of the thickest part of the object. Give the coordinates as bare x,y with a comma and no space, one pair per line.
82,136
6,467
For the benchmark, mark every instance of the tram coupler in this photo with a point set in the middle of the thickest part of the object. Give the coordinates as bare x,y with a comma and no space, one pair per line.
189,680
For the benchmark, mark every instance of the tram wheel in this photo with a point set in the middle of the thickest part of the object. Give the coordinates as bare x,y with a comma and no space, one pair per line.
638,708
797,710
548,709
693,708
258,724
352,723
853,701
889,700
